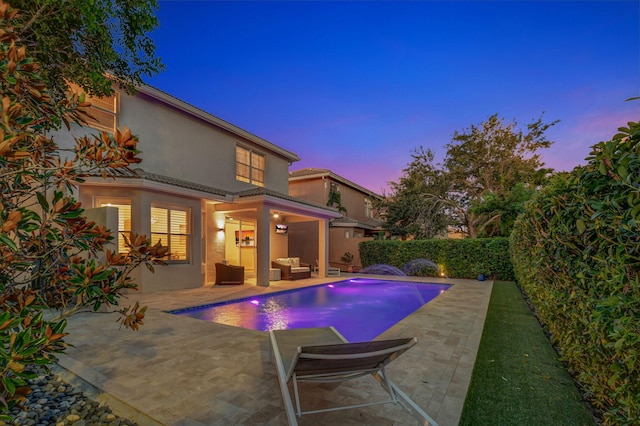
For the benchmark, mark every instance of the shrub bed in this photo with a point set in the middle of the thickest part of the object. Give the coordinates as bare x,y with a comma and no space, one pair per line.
465,258
576,255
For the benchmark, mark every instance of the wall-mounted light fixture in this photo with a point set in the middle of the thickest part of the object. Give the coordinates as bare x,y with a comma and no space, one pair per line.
276,215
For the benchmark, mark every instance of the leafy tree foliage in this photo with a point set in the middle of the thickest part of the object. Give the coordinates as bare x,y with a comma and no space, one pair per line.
416,206
335,200
488,173
81,40
51,257
485,163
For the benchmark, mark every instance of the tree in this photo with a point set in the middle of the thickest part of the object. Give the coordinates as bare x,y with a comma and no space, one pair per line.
487,162
51,256
81,41
488,173
416,206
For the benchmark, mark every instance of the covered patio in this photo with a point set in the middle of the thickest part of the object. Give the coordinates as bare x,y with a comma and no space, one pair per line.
264,211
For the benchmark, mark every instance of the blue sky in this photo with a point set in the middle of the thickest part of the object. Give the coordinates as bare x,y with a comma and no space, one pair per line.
356,86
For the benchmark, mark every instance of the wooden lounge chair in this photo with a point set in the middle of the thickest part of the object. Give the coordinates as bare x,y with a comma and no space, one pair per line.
324,355
229,274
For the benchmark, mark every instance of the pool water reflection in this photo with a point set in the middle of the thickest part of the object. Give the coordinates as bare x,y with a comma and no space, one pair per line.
360,309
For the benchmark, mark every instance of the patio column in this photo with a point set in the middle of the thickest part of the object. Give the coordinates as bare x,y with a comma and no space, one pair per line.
263,244
323,247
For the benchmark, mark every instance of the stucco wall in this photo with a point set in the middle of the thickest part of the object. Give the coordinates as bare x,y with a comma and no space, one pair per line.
178,145
279,243
340,245
317,190
172,276
312,190
303,242
353,201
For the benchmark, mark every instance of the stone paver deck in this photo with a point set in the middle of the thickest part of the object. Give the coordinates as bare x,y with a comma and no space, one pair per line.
179,371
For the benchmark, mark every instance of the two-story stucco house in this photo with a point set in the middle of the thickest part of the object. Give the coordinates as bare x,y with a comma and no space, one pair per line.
359,220
208,189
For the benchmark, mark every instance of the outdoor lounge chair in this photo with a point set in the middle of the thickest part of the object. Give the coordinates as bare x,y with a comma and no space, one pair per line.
324,355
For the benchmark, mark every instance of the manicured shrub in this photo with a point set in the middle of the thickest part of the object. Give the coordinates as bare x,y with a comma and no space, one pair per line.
576,254
465,258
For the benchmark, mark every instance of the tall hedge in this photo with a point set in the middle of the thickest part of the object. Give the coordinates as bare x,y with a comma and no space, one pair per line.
576,254
465,258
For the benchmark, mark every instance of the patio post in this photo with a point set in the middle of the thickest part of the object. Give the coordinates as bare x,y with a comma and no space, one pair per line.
263,243
323,247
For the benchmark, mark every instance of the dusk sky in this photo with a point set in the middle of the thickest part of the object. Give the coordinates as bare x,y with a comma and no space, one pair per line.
356,86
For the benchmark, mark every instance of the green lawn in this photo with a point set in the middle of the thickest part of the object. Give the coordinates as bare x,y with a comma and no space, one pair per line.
517,378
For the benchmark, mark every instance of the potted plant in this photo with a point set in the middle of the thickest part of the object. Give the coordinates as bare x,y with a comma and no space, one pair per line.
347,258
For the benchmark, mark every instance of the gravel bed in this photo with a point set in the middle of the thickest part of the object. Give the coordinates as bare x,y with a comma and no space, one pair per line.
53,402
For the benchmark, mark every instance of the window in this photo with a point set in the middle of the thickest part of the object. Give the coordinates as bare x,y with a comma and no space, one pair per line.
249,166
172,226
104,111
368,208
124,218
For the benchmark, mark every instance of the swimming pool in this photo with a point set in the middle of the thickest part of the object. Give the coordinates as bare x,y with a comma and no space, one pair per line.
360,309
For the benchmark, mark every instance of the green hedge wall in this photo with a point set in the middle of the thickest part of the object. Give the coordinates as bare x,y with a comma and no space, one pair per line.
576,254
465,258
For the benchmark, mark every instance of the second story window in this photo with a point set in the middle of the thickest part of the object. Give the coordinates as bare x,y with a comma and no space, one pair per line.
104,111
368,208
249,166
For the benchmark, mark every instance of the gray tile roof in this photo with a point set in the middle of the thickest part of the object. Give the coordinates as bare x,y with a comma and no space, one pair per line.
264,191
364,224
140,173
253,192
309,172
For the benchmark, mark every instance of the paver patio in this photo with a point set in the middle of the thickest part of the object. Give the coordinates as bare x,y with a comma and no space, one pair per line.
179,371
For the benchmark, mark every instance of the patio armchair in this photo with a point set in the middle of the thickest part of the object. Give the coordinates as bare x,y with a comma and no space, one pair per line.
324,355
229,274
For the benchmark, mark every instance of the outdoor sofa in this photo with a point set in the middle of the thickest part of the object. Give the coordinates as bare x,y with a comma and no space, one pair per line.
291,268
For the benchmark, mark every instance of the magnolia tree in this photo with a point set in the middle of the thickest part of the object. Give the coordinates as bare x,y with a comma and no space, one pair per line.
54,262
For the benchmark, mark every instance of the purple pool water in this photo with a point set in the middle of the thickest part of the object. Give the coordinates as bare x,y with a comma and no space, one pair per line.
360,309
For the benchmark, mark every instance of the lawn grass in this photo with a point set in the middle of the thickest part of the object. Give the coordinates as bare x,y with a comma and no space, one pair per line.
517,378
